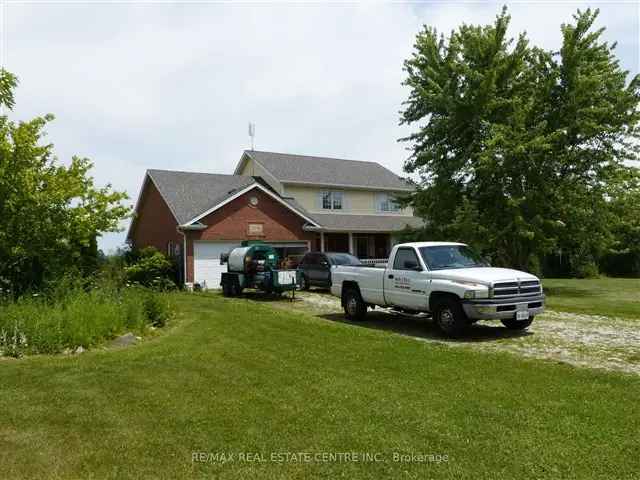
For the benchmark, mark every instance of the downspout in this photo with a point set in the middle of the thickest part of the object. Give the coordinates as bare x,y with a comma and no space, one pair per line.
184,255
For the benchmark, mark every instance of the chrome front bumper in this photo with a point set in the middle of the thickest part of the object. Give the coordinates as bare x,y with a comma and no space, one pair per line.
493,308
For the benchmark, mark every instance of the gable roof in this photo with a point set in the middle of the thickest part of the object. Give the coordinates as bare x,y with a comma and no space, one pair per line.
188,194
303,169
259,184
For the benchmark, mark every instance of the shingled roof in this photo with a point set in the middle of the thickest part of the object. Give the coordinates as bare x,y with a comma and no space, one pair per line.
188,194
365,223
290,168
191,194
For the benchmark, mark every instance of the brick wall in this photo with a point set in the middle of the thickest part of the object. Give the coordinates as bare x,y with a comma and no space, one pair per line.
231,223
154,225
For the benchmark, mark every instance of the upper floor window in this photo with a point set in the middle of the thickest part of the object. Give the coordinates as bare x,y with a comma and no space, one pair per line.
385,203
332,200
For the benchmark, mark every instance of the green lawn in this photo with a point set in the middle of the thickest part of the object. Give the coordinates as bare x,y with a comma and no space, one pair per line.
239,376
615,297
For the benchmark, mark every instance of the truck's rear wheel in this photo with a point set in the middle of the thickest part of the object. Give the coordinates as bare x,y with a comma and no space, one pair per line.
354,306
513,324
450,317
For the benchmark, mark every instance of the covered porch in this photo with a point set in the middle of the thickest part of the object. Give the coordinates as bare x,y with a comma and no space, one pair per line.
368,237
365,246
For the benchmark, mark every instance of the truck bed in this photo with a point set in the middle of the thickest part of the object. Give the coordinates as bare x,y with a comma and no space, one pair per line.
369,278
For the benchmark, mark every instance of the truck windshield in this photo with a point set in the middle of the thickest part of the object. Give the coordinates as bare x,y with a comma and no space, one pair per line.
442,257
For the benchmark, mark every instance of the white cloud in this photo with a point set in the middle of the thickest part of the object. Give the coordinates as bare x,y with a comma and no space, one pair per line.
137,86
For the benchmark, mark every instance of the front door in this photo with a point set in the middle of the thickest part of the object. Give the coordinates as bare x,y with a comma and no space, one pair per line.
406,282
362,246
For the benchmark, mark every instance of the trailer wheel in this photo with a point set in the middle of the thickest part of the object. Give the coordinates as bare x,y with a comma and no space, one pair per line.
450,317
235,289
230,286
354,306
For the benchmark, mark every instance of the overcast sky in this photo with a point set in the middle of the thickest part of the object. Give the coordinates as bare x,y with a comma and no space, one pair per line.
146,85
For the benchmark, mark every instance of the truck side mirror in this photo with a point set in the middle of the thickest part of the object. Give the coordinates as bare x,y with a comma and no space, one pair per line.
224,258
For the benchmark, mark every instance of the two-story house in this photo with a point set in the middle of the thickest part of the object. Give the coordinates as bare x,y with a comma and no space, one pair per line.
296,203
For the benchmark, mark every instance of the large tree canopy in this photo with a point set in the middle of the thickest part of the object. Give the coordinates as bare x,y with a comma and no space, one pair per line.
519,150
50,214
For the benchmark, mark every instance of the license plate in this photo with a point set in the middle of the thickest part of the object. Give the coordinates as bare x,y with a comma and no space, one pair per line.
522,315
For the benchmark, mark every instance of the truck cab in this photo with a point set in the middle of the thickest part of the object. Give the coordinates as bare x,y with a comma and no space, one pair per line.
448,280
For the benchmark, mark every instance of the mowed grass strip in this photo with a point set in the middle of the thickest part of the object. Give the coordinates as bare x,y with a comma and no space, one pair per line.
239,376
610,297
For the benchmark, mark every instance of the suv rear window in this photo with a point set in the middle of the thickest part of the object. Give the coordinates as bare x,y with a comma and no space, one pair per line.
310,259
343,259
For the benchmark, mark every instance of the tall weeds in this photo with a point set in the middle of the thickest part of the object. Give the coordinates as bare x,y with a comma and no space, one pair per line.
71,315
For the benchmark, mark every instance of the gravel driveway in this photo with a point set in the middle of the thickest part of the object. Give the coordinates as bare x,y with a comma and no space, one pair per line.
583,340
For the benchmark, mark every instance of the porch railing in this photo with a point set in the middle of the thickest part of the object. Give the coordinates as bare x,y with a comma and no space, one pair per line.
373,261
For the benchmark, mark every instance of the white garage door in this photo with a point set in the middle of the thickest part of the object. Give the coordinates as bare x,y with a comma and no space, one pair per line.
206,262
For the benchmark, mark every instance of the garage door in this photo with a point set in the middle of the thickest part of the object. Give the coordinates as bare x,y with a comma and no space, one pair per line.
206,262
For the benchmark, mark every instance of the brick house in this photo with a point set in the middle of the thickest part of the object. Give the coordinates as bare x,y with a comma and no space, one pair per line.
296,203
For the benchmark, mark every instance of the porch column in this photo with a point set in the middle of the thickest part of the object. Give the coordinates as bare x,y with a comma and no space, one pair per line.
322,241
351,243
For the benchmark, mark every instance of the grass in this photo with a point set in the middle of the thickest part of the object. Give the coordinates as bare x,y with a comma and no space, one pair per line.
614,297
238,376
77,318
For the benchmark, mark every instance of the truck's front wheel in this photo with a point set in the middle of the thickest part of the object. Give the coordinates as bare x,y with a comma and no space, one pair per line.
450,317
354,306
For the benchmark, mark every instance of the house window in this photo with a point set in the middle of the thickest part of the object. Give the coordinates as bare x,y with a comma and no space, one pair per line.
170,251
385,203
332,200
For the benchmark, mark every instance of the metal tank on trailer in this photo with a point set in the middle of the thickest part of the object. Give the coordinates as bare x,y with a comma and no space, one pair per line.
255,265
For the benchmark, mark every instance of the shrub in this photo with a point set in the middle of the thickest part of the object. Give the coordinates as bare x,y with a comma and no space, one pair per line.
621,264
152,269
156,310
583,266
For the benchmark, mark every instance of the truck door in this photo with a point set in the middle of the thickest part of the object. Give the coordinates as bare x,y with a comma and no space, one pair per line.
406,282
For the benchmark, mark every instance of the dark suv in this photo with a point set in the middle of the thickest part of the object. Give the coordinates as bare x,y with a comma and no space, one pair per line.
315,267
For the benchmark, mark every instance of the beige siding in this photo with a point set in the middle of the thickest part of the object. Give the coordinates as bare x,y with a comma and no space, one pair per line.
356,201
253,169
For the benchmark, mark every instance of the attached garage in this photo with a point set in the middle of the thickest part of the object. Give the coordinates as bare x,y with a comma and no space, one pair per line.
251,214
206,262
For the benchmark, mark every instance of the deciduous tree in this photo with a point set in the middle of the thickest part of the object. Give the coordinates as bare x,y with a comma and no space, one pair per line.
520,150
50,214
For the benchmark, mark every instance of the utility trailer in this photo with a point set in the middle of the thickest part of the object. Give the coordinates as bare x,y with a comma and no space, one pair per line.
255,265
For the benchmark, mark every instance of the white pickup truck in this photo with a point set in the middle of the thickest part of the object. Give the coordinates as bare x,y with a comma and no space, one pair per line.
448,280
